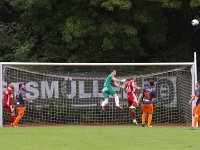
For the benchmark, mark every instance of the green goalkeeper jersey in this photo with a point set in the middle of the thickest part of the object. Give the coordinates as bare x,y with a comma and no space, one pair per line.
109,81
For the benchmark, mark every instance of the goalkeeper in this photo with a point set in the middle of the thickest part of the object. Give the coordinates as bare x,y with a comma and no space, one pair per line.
21,99
108,89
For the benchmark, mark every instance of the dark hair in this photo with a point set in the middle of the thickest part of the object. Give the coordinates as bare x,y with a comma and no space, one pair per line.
20,85
9,81
198,82
111,70
151,83
133,76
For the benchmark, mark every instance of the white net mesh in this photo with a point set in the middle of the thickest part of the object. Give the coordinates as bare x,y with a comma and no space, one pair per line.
72,94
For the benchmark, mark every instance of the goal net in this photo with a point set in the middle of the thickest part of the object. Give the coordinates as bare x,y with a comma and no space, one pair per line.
71,93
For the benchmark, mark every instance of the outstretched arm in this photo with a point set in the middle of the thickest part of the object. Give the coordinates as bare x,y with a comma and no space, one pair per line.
116,80
193,97
139,99
27,100
153,100
117,84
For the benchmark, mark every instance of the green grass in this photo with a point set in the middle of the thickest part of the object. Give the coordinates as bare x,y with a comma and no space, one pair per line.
99,138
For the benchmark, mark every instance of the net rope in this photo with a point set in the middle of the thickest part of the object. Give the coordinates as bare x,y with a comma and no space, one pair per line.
72,94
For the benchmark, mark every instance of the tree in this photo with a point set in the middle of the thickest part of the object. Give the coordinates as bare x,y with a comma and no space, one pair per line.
98,30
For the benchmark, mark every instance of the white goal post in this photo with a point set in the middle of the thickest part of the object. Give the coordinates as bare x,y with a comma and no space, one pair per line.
70,93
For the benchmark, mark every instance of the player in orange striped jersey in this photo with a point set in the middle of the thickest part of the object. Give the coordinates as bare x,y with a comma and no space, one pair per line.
21,99
196,110
147,97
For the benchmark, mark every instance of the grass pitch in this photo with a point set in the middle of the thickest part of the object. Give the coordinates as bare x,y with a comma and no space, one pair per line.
99,138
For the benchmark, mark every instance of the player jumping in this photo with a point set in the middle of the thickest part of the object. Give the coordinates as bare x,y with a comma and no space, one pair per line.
8,101
108,89
130,88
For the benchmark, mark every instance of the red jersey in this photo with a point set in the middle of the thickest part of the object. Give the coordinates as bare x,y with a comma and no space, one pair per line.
8,97
129,88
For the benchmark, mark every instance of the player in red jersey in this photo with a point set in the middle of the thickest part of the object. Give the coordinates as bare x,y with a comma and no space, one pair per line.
130,88
8,102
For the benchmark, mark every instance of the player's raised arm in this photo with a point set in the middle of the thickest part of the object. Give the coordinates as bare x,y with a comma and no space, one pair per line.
140,96
118,80
153,100
192,98
117,84
154,96
115,79
196,95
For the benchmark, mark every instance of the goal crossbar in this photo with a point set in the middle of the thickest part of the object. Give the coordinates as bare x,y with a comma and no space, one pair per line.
192,64
100,64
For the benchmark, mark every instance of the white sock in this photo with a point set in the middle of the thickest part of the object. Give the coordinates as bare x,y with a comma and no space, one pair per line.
117,101
104,103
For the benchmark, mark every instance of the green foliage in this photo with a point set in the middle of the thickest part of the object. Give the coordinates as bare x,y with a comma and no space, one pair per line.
112,4
28,4
107,44
22,52
170,3
195,3
15,42
97,30
76,30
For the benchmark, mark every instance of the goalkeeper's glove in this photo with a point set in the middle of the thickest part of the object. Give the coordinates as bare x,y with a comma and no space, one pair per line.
123,80
121,86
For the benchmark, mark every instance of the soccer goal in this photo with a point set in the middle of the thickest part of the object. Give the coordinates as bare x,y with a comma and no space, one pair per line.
70,93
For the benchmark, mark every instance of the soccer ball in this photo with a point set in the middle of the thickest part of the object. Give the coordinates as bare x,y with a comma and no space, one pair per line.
195,22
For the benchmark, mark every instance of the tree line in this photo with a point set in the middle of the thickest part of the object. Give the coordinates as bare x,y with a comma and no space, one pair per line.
98,30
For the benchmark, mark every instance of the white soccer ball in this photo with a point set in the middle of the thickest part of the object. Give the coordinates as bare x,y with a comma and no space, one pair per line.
195,22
